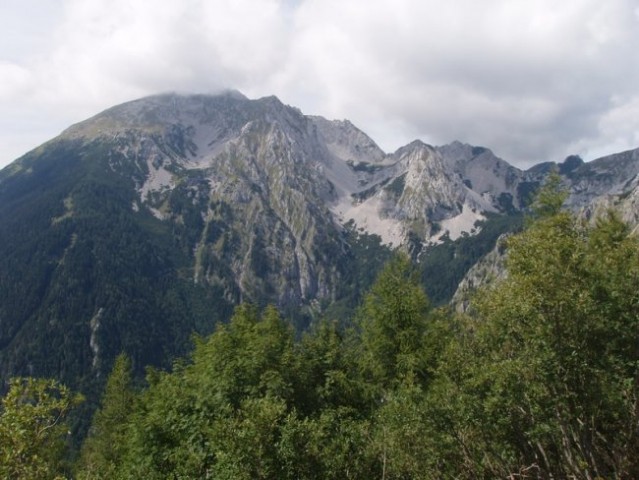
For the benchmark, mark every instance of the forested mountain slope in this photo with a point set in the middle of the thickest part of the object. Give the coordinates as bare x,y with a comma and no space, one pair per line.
539,382
153,219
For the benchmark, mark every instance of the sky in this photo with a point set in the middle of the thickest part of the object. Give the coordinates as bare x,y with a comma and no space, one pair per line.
534,80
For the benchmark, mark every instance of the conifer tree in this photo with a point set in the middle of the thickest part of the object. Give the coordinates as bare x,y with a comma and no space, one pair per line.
103,449
393,321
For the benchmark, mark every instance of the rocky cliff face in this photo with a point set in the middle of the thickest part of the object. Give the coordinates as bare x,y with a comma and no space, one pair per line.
263,190
490,268
253,182
613,175
243,179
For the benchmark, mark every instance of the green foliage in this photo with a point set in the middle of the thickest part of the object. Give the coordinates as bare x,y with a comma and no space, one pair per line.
33,432
541,382
327,368
364,166
396,187
335,444
84,276
252,403
444,265
366,257
102,450
393,320
212,416
550,197
545,383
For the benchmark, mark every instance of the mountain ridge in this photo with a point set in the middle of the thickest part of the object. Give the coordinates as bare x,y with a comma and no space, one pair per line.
150,220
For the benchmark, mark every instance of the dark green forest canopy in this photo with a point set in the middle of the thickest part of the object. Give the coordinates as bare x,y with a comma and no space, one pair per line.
540,381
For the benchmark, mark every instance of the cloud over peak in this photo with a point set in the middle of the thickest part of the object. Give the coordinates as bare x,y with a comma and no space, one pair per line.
533,80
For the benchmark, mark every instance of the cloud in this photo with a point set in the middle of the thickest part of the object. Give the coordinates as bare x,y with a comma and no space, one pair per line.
16,80
185,44
532,80
618,126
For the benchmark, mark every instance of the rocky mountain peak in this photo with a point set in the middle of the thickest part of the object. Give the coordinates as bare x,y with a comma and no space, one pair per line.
172,208
572,162
412,148
155,113
347,142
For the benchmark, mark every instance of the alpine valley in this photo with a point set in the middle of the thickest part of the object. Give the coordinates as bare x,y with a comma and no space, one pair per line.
150,221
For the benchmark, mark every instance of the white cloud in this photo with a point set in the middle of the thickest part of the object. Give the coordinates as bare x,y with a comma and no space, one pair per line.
532,80
172,45
618,126
16,80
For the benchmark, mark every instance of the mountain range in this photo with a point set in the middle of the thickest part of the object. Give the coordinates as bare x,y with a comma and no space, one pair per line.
152,220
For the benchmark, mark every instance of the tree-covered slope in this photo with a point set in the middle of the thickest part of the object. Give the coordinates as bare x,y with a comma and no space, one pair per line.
540,382
148,222
83,276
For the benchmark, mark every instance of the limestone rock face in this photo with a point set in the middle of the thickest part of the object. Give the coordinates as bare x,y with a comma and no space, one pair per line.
245,179
264,190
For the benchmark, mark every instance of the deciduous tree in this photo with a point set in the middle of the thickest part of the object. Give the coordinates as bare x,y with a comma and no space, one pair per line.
33,432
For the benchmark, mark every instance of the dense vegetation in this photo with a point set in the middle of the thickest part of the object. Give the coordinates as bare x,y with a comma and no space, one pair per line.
444,265
540,381
78,263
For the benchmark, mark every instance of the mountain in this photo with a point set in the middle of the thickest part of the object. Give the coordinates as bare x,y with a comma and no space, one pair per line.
150,221
593,189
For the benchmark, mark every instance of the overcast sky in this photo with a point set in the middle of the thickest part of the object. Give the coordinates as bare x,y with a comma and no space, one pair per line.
534,80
